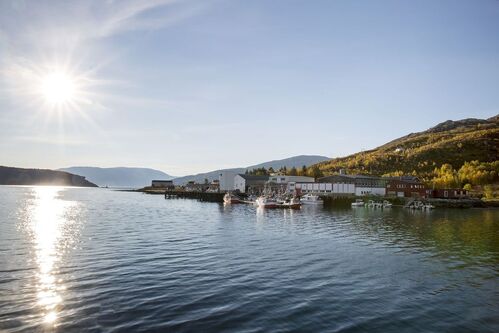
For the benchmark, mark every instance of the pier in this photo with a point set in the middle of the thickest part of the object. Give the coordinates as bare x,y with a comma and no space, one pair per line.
201,196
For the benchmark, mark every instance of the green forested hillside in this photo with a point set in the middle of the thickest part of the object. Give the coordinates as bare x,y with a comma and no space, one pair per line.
431,154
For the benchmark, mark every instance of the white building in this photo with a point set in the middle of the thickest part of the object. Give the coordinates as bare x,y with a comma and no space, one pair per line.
288,179
226,180
362,185
325,188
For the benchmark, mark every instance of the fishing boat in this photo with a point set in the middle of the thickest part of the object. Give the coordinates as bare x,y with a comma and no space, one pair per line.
266,202
358,203
230,198
387,204
311,199
293,203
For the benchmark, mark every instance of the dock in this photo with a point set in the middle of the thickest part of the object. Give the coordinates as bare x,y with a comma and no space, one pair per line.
201,196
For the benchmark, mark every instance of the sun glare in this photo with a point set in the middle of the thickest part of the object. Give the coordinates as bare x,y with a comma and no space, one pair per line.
58,88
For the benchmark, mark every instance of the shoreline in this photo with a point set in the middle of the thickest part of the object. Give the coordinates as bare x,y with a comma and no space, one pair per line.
332,200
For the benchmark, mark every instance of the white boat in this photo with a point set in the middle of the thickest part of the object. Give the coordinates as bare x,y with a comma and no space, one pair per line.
415,204
387,204
358,203
230,198
427,206
374,204
311,199
266,202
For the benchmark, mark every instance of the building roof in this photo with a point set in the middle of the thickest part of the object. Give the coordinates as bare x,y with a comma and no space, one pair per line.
352,176
407,179
252,177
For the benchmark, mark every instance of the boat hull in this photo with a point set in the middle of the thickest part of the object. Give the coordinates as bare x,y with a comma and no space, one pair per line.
265,203
232,201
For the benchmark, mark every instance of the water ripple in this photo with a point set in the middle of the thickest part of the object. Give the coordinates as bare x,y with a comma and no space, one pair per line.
97,260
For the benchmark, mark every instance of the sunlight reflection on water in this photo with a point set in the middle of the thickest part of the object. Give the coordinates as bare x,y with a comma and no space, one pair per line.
49,227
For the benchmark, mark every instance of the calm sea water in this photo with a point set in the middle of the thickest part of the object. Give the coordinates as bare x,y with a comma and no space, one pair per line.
96,260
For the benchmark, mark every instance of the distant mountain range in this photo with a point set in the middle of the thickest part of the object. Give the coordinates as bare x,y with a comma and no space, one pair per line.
120,176
452,142
295,161
19,176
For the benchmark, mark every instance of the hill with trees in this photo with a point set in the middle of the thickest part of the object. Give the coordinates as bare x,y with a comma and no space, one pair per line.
453,153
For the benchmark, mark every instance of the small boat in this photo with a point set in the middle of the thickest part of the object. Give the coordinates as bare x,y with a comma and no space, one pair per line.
266,202
358,203
293,203
427,206
374,204
387,204
415,204
311,199
230,198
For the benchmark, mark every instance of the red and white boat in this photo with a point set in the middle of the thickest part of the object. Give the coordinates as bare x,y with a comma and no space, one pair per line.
230,198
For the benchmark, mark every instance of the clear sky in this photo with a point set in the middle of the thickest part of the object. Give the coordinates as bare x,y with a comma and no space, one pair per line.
191,86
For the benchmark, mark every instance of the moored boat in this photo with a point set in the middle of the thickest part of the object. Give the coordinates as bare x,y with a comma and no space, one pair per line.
230,198
293,203
311,199
358,203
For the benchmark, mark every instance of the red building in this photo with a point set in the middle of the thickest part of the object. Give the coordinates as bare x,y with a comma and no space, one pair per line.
406,186
449,193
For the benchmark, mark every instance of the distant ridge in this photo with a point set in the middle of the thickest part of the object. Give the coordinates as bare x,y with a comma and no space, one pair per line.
451,142
119,176
19,176
295,161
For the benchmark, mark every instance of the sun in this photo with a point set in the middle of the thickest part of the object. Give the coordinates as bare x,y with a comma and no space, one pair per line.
58,88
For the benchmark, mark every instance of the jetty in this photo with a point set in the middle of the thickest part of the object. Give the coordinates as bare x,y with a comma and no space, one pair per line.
173,194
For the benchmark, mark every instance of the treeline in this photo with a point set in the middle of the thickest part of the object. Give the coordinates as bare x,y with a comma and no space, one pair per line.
469,174
313,171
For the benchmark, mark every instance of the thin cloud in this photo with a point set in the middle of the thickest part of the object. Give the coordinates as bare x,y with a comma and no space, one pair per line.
45,22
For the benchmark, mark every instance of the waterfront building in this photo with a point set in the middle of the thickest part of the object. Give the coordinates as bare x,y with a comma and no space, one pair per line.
226,180
279,179
282,183
406,186
364,185
449,193
249,183
322,188
167,184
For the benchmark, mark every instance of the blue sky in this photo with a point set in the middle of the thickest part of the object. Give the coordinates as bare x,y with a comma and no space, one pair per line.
190,86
